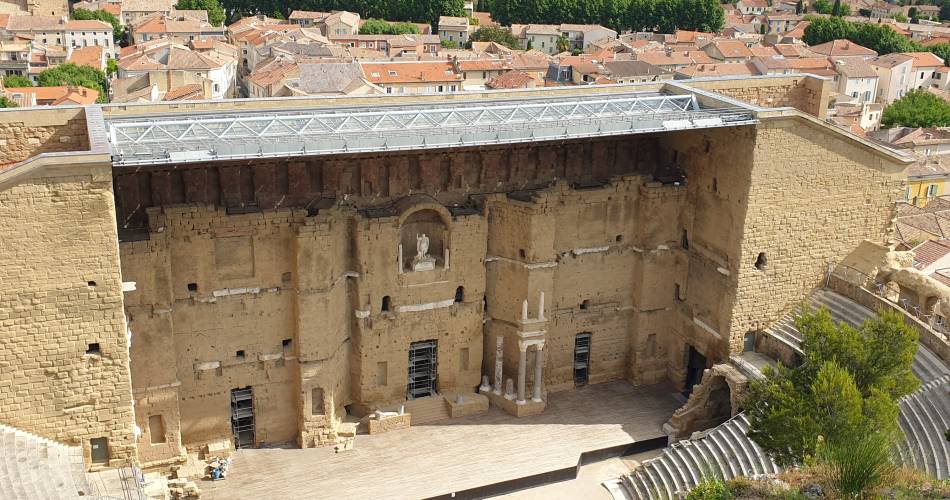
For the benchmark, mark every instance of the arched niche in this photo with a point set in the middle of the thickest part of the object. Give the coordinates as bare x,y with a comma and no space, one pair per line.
425,225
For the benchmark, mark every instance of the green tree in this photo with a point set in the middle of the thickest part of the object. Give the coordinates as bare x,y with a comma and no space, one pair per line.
405,28
800,7
563,44
112,67
822,7
17,81
375,27
70,74
118,31
498,35
941,50
944,14
836,9
864,13
450,44
7,103
214,8
901,18
846,387
918,108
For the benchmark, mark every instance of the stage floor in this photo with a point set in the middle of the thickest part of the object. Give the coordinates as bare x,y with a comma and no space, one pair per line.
458,454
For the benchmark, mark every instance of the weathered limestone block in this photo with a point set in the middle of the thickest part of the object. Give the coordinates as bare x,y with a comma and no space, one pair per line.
389,423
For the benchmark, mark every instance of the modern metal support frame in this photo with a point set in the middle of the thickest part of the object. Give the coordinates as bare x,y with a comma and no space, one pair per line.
323,131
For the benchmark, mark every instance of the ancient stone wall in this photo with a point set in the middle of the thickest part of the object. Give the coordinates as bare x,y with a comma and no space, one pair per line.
815,195
805,93
46,131
64,361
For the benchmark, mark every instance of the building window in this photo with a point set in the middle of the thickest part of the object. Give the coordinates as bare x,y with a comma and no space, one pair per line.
931,191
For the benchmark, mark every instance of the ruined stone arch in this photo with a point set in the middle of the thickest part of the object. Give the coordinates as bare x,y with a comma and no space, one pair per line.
717,398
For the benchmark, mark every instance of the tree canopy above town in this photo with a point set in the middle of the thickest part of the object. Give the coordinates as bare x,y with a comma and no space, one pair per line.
638,15
422,11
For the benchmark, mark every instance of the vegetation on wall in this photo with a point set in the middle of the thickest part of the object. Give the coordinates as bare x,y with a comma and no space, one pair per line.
918,108
6,103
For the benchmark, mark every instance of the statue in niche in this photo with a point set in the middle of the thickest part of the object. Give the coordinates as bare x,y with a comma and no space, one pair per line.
422,261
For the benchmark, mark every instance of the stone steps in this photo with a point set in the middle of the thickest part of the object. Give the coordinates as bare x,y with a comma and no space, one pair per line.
724,452
32,467
428,409
924,417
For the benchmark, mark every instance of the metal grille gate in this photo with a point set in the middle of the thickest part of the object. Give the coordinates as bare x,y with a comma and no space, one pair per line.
422,369
242,417
581,359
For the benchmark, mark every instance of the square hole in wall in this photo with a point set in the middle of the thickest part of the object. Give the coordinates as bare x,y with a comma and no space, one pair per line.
91,284
585,305
239,354
93,349
286,343
192,287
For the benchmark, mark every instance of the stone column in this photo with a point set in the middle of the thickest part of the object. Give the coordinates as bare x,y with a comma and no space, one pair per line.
522,368
499,359
538,361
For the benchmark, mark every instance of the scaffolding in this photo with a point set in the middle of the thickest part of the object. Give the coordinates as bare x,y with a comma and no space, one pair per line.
242,417
581,359
336,130
422,369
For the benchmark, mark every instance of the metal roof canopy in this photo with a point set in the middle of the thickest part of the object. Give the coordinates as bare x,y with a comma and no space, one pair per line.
196,137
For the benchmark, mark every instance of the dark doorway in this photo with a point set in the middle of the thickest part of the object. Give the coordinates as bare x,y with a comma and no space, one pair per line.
581,359
695,364
422,369
242,417
99,447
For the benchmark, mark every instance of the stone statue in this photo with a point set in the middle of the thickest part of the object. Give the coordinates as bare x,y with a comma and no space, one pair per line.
509,389
422,261
422,246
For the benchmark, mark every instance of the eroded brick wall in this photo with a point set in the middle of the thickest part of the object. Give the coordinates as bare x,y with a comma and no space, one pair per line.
64,364
46,131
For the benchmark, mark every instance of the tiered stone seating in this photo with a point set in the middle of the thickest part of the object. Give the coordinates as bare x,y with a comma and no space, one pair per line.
32,467
727,451
724,452
924,417
927,366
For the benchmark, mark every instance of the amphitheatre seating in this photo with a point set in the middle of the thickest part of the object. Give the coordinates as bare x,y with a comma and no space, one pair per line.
724,451
927,366
727,451
32,467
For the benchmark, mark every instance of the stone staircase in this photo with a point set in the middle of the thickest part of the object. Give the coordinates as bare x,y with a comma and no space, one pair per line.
927,366
724,451
35,468
924,417
428,409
